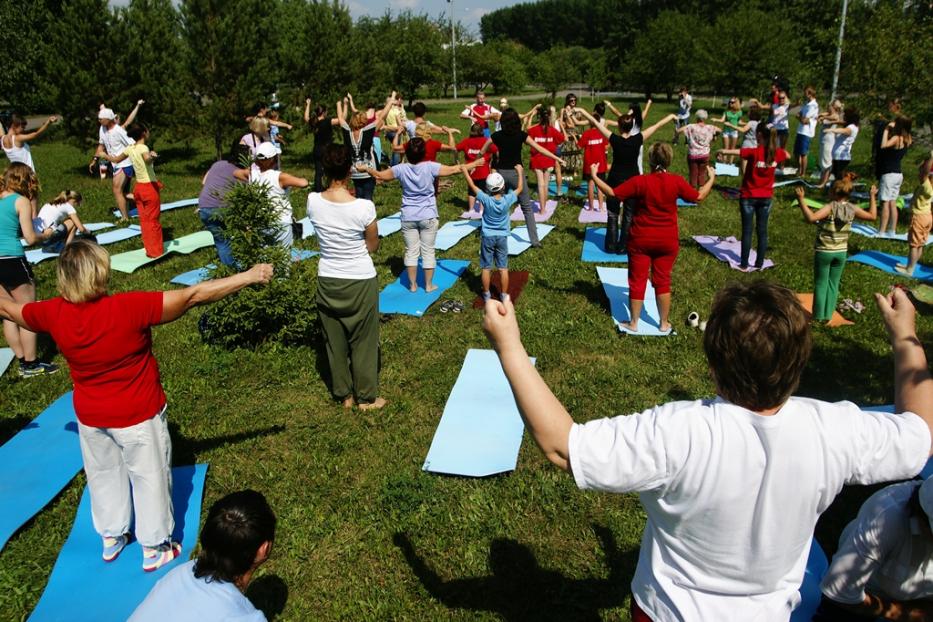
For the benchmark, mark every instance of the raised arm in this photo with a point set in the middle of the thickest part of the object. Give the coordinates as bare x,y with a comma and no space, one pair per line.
521,179
613,109
486,147
604,130
469,180
872,212
307,115
25,138
647,132
644,113
808,214
543,414
381,116
135,111
341,111
543,151
888,142
176,303
349,99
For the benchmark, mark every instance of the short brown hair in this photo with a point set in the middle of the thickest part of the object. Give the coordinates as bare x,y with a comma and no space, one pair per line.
83,271
660,156
21,179
757,343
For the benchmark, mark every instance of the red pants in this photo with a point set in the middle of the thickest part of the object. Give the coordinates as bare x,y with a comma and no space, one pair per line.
658,255
698,173
149,207
637,614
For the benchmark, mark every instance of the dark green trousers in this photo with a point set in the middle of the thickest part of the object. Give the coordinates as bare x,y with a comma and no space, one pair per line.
349,312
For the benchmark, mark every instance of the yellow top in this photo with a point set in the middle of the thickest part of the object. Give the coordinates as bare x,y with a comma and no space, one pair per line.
922,197
393,118
137,154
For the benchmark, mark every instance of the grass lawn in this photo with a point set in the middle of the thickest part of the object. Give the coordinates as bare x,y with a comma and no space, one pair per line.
363,533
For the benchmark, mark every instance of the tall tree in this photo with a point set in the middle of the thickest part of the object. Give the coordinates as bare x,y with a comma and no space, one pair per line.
26,80
654,65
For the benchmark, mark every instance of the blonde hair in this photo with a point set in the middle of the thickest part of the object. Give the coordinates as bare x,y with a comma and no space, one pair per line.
358,120
422,131
259,125
20,179
660,156
837,105
83,271
67,195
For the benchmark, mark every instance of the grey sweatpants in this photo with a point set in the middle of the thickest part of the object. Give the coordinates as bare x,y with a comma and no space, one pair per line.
510,175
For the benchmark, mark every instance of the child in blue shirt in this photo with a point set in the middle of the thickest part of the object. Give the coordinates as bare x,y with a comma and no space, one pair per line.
495,231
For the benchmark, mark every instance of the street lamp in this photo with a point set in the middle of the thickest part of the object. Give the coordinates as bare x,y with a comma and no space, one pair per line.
453,45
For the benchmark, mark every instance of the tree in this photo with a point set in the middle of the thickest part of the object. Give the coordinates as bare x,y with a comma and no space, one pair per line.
26,80
416,58
654,65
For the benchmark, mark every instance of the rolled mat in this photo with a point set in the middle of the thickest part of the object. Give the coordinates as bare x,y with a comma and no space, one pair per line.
132,260
133,213
83,587
397,298
886,262
729,250
615,284
806,301
480,431
594,244
519,241
36,464
452,232
517,281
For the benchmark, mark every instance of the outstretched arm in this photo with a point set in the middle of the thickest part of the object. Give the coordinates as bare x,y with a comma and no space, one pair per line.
307,115
544,151
446,170
381,116
178,302
647,132
613,109
25,138
599,126
808,214
135,111
386,175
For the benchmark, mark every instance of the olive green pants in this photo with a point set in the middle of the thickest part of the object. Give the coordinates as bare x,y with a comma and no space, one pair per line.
349,312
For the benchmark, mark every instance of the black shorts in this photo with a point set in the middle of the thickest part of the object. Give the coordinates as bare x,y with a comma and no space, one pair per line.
839,168
480,183
15,271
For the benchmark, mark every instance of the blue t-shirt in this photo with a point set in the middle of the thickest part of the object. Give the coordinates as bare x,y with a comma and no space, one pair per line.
496,213
417,181
181,597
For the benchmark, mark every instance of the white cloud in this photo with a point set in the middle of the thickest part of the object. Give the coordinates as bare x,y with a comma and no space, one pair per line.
404,5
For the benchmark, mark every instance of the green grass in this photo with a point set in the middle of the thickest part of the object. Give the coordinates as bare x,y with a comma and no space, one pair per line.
348,487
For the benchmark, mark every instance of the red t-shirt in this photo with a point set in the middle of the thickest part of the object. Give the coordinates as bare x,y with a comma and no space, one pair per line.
431,147
758,182
594,146
471,148
547,137
655,215
478,110
108,346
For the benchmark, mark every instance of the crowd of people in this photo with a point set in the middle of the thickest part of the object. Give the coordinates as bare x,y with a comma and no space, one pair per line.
710,549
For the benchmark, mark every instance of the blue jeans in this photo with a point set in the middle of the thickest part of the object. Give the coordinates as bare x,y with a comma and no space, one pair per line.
365,188
394,158
759,210
213,222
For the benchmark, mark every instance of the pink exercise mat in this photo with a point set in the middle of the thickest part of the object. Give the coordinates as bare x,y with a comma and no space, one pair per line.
728,250
540,216
592,216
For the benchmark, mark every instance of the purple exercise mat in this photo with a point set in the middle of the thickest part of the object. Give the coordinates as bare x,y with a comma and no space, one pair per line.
592,216
549,208
728,250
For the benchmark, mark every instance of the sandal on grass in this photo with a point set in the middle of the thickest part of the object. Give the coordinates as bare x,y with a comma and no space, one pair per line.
456,306
446,306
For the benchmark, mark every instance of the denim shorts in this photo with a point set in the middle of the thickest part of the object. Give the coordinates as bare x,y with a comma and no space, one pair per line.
494,252
802,145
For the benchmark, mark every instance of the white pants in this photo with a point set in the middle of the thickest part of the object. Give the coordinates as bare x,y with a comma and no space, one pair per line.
419,236
116,459
826,151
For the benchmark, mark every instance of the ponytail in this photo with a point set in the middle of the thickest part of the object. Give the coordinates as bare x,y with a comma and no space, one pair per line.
67,195
767,138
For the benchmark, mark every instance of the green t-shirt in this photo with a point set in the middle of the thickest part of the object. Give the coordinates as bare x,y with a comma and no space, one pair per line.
733,116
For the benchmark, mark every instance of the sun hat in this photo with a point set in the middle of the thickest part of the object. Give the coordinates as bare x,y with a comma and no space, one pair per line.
495,183
106,113
266,151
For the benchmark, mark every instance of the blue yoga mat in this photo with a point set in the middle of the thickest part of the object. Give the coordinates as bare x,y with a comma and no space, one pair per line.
810,593
726,170
396,297
886,262
307,229
36,464
389,224
594,241
133,213
452,232
6,357
615,283
480,432
83,587
519,242
193,277
118,235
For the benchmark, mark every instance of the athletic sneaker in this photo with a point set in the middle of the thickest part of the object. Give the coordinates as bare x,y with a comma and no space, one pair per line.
113,547
156,557
31,370
486,296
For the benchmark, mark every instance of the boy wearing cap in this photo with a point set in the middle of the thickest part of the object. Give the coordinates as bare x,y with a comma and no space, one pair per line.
884,565
112,141
495,231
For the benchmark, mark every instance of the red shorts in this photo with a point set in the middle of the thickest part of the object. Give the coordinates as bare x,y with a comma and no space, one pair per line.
655,254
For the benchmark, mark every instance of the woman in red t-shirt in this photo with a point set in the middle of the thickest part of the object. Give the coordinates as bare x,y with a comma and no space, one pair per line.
654,239
595,146
548,137
757,190
118,396
472,148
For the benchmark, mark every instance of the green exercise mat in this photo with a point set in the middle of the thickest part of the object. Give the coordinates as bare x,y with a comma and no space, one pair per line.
128,262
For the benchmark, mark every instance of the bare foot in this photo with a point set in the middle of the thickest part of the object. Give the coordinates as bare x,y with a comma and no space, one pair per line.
412,288
903,269
430,288
349,402
630,326
376,405
665,328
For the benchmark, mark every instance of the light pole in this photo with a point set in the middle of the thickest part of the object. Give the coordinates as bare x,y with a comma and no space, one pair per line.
842,31
453,45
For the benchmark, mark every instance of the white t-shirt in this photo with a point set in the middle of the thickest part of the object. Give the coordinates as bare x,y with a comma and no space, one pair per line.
884,551
278,194
842,145
52,215
779,118
411,127
683,107
809,111
340,232
115,141
181,597
21,154
732,497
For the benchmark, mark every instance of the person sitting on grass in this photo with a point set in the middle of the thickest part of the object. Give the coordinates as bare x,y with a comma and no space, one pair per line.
921,220
733,486
832,242
59,218
495,231
236,539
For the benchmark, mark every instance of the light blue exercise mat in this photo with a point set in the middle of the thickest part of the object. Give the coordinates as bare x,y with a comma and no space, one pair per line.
193,277
810,593
307,228
130,261
726,170
871,232
594,241
36,464
615,283
452,232
6,357
84,588
133,213
389,224
480,432
107,237
397,298
519,242
886,262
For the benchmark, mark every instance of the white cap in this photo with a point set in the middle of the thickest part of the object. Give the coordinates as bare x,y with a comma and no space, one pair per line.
926,499
495,183
106,113
266,151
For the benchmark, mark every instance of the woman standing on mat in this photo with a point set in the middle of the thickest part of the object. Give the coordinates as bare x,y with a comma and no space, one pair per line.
323,128
895,140
731,118
509,141
545,136
359,134
419,207
654,240
699,137
844,139
472,148
17,283
757,192
118,397
749,131
347,287
830,119
595,145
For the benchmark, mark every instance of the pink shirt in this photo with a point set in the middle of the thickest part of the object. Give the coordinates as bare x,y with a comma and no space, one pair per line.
699,138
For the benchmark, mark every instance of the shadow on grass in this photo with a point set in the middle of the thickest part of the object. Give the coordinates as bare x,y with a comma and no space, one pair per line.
186,450
269,594
10,427
520,589
854,370
593,292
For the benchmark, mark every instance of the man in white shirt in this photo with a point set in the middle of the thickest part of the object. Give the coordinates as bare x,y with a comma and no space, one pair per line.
112,141
236,539
733,486
806,129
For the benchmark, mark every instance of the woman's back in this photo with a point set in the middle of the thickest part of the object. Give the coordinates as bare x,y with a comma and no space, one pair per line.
17,153
417,181
340,230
